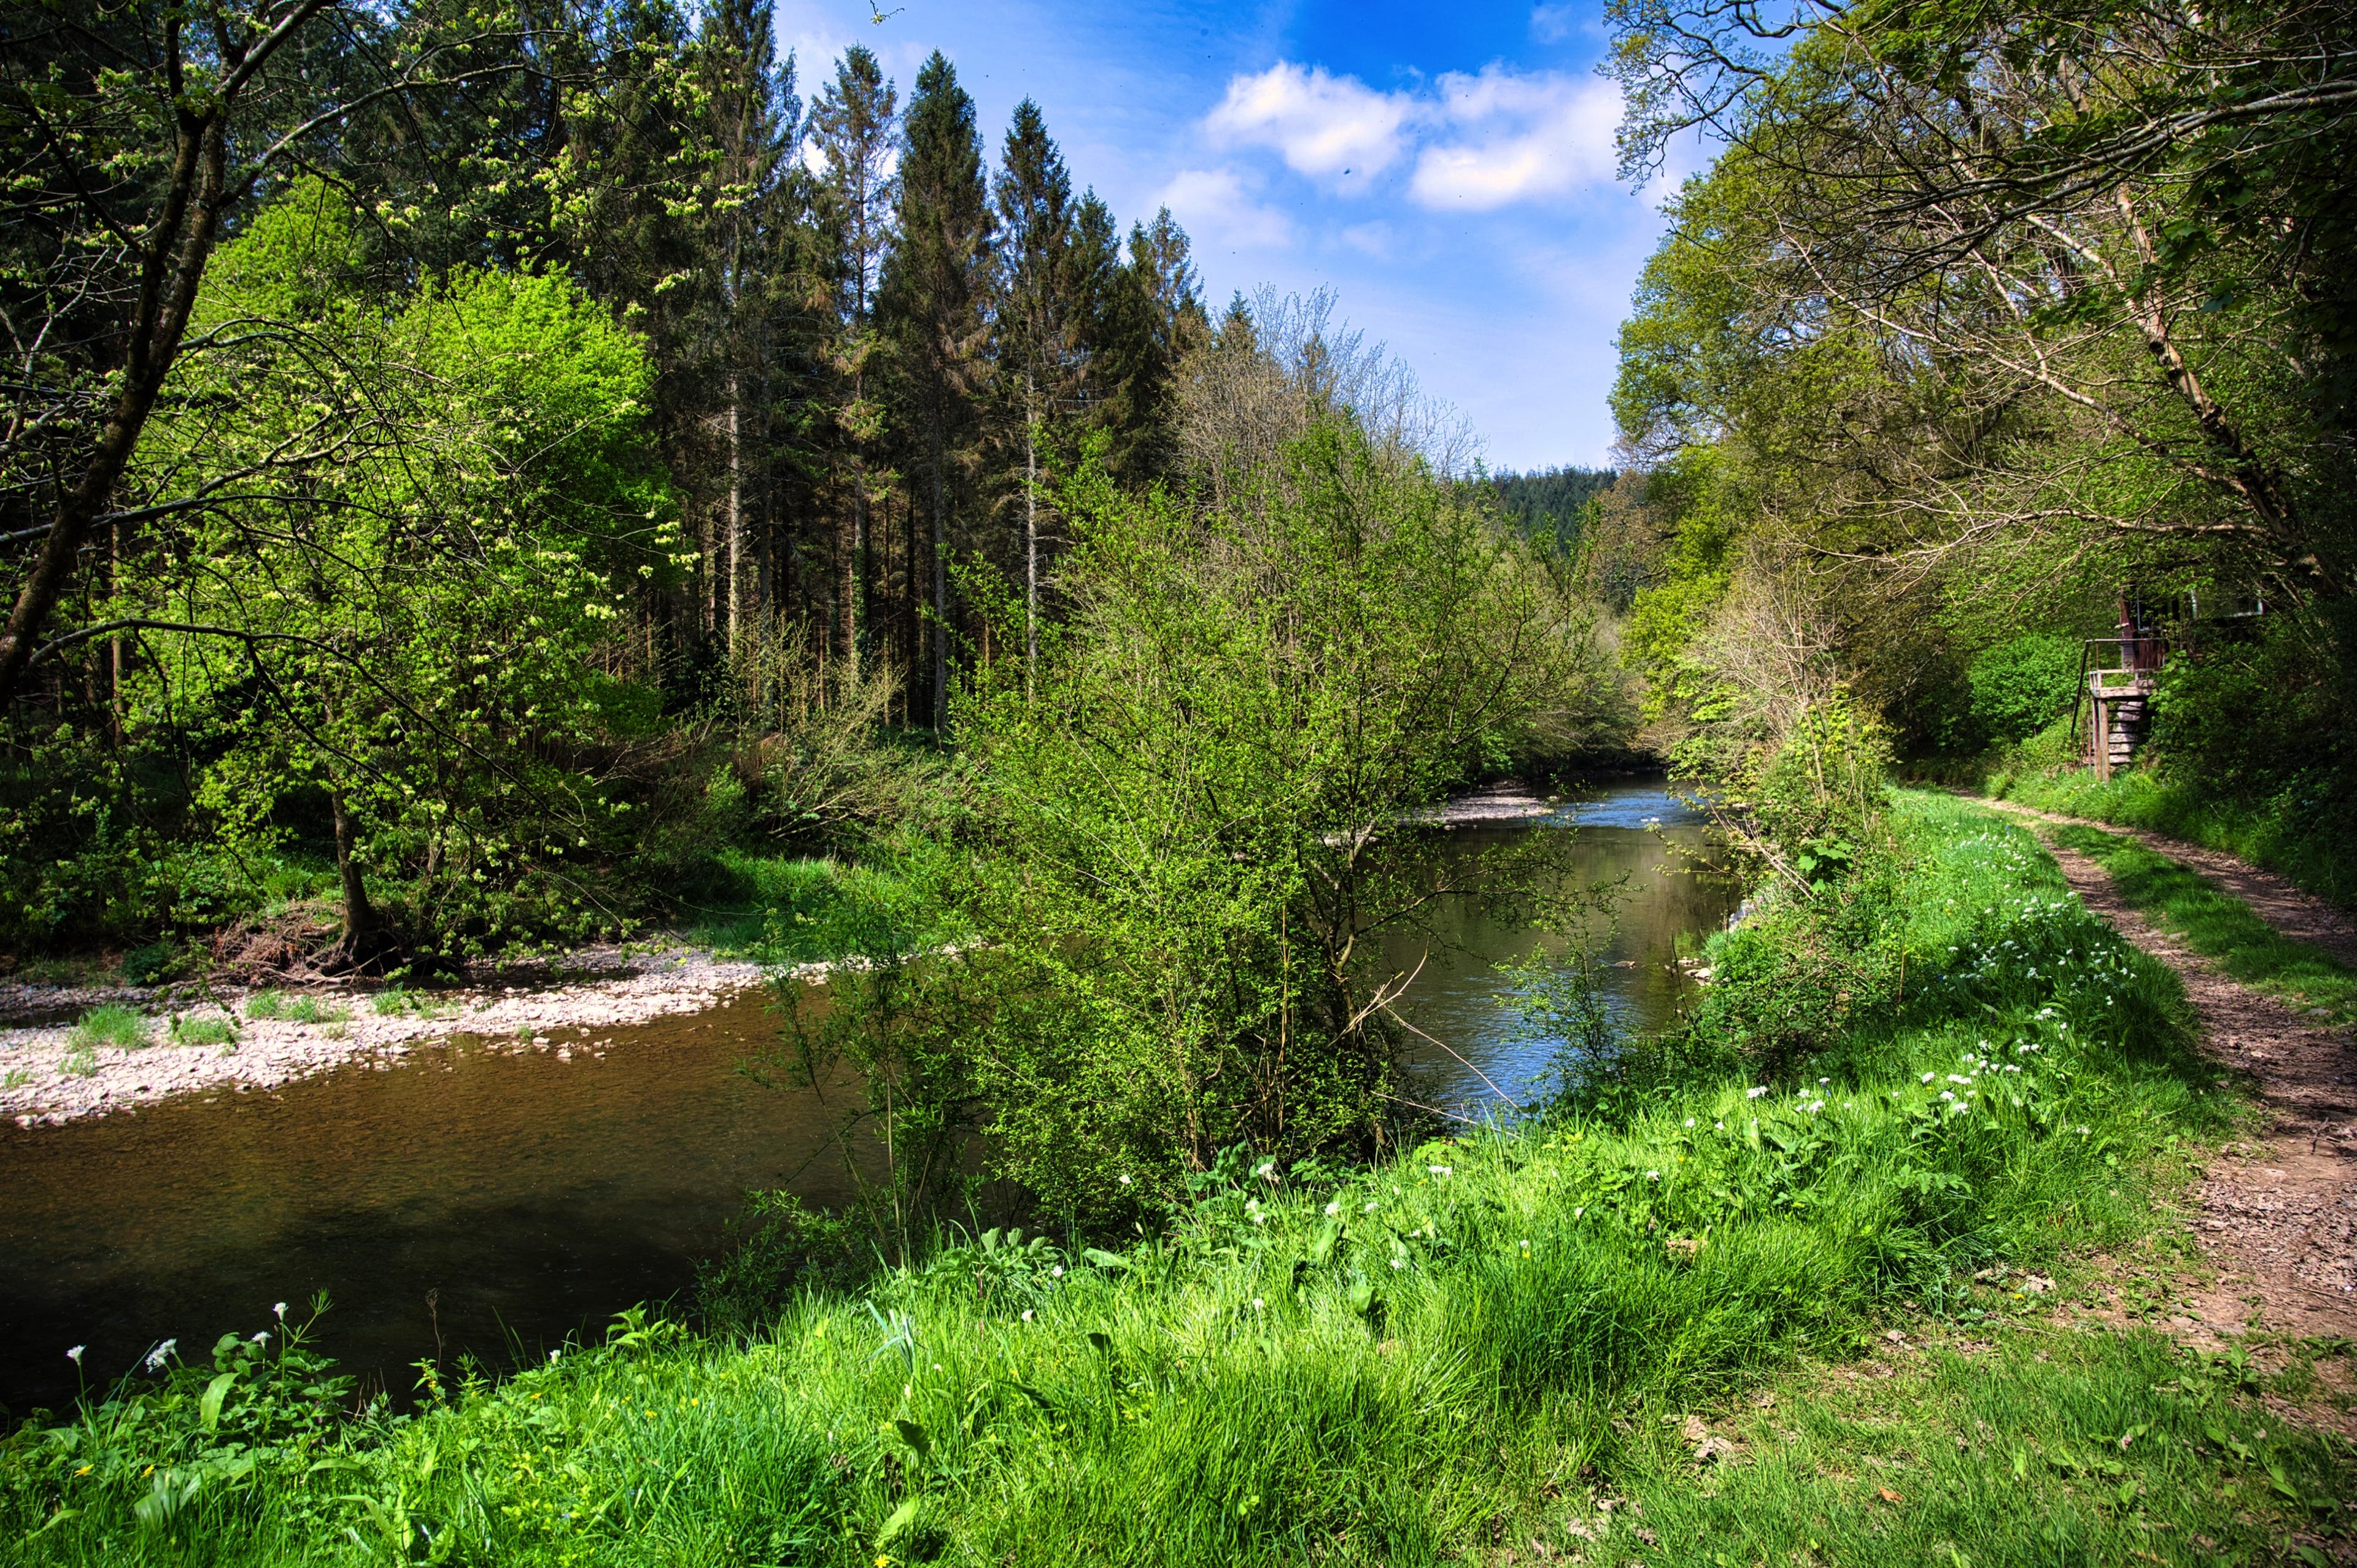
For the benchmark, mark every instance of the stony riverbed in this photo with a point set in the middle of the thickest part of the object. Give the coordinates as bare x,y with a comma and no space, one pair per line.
42,1082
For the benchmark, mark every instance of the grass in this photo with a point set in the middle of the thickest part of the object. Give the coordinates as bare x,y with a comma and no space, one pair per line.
2024,1444
189,1030
1473,1347
294,1008
125,1028
788,909
2219,924
400,1001
2288,837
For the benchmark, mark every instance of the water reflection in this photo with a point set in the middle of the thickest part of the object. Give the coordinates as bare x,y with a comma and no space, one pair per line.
1634,838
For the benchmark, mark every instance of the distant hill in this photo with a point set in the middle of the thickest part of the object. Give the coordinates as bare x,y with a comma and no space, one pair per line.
1547,504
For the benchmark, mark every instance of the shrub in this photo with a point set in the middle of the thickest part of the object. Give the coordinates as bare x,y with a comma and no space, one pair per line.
2019,685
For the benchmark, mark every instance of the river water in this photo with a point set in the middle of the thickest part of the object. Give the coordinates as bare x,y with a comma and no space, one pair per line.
502,1201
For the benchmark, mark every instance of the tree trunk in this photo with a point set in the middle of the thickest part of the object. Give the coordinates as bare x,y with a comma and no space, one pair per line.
1030,536
735,516
941,589
363,939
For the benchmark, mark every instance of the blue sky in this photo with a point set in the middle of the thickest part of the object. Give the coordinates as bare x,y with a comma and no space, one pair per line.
1446,169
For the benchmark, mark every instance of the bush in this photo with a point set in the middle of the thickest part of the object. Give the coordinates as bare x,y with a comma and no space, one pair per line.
2019,686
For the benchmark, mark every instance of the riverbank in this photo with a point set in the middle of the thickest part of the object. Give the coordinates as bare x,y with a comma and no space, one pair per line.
247,1039
1871,1314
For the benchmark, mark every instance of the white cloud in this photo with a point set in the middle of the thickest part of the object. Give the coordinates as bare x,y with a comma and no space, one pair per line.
1375,239
1481,141
1322,124
1514,138
1553,24
1217,208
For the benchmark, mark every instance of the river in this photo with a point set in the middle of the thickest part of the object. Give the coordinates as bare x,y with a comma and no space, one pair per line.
497,1202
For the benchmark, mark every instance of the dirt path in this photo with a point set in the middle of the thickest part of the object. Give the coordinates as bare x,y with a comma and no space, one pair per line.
2277,1218
2301,916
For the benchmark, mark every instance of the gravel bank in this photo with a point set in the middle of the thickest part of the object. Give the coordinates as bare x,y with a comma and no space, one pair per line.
600,989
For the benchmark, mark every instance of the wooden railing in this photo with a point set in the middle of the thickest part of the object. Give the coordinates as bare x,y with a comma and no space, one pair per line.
2139,661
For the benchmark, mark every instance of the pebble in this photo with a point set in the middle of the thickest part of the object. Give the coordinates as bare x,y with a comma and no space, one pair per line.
275,1051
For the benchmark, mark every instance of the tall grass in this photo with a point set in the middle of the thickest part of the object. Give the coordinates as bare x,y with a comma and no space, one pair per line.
788,909
1477,1340
125,1028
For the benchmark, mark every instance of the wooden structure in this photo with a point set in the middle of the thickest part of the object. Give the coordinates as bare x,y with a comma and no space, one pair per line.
2119,687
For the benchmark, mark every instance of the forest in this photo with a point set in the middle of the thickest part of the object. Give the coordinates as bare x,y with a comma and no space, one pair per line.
828,872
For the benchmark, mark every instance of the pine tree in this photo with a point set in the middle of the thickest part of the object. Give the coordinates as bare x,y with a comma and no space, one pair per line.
935,286
1038,340
1147,315
748,214
851,126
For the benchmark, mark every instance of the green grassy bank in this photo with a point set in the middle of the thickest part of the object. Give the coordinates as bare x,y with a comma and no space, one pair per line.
1462,1353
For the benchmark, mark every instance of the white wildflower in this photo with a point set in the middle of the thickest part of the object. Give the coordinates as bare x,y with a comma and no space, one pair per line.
74,1355
1333,1210
1056,1272
163,1353
1027,1314
1753,1093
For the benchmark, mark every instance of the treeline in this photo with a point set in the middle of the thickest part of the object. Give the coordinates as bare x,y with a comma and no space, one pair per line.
1550,504
1983,333
464,465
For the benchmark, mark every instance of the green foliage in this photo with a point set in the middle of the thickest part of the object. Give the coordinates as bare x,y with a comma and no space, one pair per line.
296,1008
1550,506
2249,753
408,641
121,1028
1184,813
404,1001
2021,685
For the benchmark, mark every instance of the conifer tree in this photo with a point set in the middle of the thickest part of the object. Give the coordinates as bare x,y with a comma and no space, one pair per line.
1038,338
852,127
748,214
935,286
